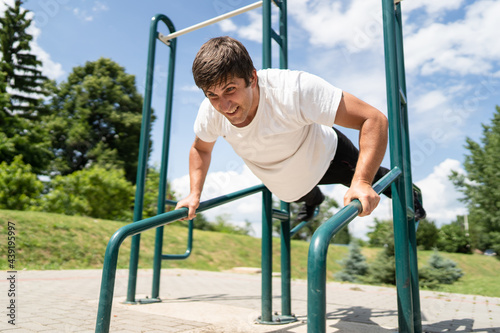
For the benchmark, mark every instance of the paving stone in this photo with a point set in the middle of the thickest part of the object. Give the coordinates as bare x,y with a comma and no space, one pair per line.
206,302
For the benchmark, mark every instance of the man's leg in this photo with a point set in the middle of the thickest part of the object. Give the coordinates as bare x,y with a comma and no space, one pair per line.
341,171
311,200
343,165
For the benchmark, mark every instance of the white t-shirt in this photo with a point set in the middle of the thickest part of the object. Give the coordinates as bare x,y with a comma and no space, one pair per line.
290,142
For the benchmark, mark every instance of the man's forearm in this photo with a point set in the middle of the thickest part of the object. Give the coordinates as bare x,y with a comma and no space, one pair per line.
372,147
199,162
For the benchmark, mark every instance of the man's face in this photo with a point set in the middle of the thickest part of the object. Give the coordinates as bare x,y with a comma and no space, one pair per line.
235,100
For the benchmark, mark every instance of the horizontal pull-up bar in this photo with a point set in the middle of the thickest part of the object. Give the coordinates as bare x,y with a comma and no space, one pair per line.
165,39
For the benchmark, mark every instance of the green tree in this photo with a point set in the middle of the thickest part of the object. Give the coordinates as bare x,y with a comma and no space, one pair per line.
21,87
96,192
439,270
96,119
383,268
427,235
480,184
381,233
21,67
354,266
453,238
151,190
20,189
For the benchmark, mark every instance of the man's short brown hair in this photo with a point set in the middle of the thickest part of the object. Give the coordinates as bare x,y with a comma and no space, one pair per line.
220,59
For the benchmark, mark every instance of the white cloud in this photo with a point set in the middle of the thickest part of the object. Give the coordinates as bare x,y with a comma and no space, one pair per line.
82,14
50,68
225,182
251,31
99,7
463,46
88,15
439,194
356,25
431,7
429,101
190,88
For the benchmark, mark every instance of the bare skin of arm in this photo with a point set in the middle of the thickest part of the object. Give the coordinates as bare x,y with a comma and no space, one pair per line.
372,125
200,156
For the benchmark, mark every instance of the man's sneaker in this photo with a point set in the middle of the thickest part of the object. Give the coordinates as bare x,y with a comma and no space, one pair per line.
306,212
419,209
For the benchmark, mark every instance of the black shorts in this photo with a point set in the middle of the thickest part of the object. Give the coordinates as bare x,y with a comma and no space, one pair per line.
342,168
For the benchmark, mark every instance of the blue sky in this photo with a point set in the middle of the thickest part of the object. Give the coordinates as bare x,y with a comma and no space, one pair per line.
452,57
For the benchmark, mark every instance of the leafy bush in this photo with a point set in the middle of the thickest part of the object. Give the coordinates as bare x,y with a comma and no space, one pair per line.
453,238
20,189
354,266
96,192
439,271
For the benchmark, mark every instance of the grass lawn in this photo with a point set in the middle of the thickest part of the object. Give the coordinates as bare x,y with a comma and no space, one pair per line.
51,241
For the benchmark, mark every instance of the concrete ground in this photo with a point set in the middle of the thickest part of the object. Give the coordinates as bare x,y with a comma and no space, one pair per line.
225,302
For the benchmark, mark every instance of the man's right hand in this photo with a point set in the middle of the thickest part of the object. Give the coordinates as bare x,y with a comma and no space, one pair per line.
191,202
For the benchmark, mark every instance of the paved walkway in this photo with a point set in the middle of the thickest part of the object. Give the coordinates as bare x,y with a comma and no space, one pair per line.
203,302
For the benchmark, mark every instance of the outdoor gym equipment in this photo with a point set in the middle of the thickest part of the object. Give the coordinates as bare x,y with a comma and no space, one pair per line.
409,318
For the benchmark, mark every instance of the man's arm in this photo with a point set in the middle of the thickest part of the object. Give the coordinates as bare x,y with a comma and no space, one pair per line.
199,161
372,125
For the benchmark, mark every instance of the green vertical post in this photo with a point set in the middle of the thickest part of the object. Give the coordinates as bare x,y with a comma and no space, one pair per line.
399,198
283,35
286,289
162,191
143,152
267,253
266,34
142,163
267,256
417,318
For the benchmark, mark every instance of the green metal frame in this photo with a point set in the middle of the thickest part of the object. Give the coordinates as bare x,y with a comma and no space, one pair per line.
409,317
141,225
143,157
268,35
399,178
318,251
111,255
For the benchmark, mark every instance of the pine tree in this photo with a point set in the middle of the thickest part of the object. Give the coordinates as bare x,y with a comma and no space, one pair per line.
480,186
355,266
439,270
21,132
20,67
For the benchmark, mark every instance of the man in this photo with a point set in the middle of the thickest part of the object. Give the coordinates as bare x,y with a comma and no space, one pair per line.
281,123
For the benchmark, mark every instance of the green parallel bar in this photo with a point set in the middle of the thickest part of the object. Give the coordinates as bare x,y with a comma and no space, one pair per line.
415,289
267,256
162,191
111,256
189,248
286,286
399,194
318,251
298,227
143,156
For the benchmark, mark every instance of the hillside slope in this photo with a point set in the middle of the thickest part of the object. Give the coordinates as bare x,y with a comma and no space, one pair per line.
51,241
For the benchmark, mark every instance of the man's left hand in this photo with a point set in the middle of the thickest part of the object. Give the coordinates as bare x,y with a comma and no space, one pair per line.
364,192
